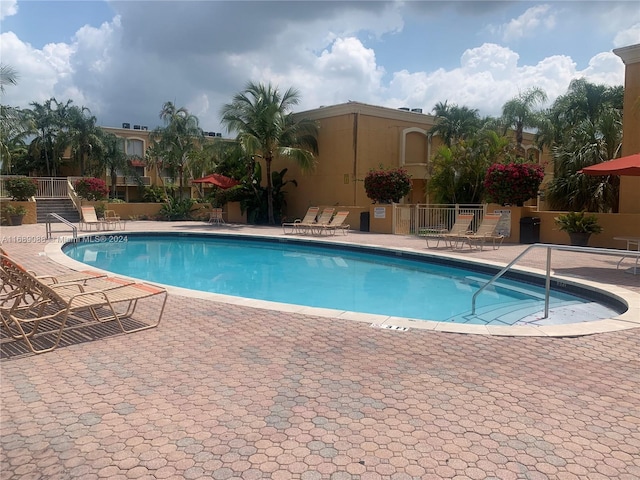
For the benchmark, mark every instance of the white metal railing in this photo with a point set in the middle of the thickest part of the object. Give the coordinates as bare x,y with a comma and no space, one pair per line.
550,248
419,218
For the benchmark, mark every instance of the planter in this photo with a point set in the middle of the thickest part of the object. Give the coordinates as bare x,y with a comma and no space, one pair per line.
579,239
16,220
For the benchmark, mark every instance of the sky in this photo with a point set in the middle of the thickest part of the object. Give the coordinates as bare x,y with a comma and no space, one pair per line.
124,59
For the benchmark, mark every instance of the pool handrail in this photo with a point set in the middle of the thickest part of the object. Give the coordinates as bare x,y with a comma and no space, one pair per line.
48,229
550,247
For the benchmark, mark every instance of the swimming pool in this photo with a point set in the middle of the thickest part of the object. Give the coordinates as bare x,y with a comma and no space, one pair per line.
341,277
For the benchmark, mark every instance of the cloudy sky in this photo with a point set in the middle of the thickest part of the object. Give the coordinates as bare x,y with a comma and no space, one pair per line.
124,59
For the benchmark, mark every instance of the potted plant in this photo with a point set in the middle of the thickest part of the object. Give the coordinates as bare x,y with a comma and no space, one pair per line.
579,226
15,213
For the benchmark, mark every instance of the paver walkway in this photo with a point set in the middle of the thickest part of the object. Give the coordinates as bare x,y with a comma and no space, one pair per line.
221,391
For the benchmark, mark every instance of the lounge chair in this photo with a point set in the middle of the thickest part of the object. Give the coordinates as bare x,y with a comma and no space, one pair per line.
486,231
460,227
336,223
215,217
34,302
324,219
308,219
90,219
111,219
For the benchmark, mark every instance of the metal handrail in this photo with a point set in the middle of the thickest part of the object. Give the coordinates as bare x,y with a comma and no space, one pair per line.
71,193
74,229
550,247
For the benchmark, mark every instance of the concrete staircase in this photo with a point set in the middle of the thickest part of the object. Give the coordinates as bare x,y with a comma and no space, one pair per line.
62,206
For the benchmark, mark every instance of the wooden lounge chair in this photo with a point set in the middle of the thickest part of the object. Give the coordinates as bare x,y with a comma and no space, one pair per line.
35,302
215,217
486,231
450,237
336,223
90,220
308,219
324,219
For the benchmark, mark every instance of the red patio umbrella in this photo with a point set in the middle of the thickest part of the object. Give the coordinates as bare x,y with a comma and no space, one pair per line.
218,180
627,166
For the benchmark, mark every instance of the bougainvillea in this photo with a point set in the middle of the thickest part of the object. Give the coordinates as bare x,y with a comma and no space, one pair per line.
512,183
386,186
91,188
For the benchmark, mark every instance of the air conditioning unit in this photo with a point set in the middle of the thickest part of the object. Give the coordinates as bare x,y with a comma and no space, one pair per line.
126,125
218,134
211,134
404,109
136,127
416,110
144,127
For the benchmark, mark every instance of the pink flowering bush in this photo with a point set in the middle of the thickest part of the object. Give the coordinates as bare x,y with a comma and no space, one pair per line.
512,183
91,188
387,186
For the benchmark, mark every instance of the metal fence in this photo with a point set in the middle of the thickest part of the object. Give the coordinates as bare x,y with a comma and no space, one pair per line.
48,187
419,219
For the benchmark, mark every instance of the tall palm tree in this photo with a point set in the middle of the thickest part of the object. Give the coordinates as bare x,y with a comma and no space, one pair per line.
261,116
519,113
174,143
454,123
84,136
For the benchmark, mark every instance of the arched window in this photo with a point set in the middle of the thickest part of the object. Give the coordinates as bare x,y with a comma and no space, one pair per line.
415,147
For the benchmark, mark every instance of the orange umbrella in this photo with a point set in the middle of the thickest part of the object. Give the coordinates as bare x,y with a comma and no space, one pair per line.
218,180
628,166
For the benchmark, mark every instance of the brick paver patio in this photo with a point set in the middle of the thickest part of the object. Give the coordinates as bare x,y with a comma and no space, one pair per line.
222,391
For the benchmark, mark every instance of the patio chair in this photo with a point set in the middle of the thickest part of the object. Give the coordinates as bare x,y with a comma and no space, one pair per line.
486,231
308,219
36,302
336,223
90,219
460,226
111,219
215,217
324,219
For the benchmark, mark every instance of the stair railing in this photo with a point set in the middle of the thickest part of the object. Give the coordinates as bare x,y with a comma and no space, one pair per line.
71,192
550,248
49,230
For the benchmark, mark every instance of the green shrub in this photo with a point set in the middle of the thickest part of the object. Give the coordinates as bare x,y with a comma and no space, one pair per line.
176,209
21,188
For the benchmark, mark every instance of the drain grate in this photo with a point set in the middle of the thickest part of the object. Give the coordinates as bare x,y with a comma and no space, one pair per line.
389,327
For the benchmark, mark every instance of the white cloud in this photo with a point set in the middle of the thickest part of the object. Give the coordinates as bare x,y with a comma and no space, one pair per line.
125,70
8,8
531,23
628,36
489,76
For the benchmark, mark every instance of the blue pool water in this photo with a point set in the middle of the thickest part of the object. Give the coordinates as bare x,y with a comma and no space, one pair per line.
350,279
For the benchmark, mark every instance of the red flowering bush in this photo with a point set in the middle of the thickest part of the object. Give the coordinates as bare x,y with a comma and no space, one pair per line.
386,186
91,188
512,183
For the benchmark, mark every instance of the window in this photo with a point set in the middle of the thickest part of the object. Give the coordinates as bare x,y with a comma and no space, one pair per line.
135,147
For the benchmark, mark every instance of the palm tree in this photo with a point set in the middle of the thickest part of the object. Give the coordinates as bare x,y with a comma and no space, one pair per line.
454,123
267,129
8,76
84,136
175,142
519,112
587,129
113,159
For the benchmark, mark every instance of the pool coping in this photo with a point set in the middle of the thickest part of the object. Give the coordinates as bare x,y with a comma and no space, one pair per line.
627,320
